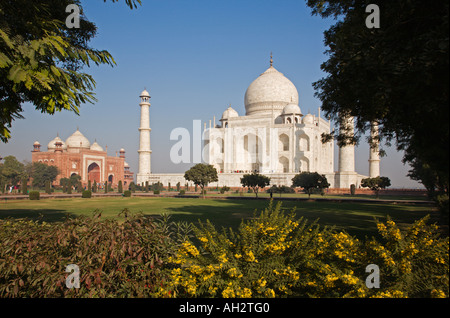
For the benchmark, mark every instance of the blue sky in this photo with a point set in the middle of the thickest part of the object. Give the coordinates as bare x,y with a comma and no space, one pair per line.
195,57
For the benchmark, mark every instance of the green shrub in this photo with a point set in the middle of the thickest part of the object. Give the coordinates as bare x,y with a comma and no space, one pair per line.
352,189
224,189
120,187
116,259
127,193
278,255
156,192
48,188
34,195
182,192
86,194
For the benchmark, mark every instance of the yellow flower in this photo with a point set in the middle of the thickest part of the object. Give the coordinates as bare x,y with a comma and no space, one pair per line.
270,293
191,249
228,293
250,257
233,272
223,258
203,239
437,293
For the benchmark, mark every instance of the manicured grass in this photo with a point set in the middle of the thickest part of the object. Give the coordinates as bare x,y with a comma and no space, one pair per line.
355,217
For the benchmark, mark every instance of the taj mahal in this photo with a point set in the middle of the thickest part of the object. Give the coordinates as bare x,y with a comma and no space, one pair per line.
274,138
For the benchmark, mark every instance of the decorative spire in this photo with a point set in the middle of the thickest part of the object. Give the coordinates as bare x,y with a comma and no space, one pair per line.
271,60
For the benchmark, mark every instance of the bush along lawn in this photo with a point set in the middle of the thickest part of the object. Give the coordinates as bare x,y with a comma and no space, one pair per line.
274,254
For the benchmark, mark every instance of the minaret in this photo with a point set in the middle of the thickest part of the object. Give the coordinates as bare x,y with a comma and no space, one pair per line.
374,156
144,140
346,173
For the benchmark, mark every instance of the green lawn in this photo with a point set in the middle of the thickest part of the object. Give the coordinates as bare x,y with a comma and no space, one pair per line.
355,217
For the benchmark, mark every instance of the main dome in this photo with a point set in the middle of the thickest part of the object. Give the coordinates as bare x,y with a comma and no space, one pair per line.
270,91
77,140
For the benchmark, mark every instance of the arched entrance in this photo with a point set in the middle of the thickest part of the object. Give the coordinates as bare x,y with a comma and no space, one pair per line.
283,164
110,179
94,172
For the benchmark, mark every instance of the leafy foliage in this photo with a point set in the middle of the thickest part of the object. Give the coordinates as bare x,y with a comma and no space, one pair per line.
11,171
310,181
115,259
41,59
277,255
392,75
201,174
274,254
376,183
41,173
255,181
34,195
280,189
86,194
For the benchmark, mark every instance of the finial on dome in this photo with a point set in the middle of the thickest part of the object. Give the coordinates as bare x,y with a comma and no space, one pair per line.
271,60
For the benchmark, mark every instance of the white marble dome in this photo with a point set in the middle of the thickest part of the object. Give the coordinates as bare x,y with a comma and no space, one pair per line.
77,140
292,109
144,93
308,119
271,90
95,146
51,145
229,113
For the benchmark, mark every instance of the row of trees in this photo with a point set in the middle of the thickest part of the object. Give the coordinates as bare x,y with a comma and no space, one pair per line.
14,172
202,174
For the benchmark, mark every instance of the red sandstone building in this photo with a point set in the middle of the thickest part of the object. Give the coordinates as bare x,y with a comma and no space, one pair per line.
78,156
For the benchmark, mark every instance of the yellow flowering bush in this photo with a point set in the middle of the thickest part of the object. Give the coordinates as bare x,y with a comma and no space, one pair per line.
413,262
262,259
278,255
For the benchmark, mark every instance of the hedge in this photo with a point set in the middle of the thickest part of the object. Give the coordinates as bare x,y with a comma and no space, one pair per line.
273,255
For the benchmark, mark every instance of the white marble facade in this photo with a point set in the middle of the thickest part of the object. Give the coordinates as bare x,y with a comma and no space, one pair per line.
274,138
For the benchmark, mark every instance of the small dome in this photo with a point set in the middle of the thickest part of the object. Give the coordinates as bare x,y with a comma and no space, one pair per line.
95,146
291,109
126,164
122,150
229,113
51,145
144,93
77,140
36,143
308,119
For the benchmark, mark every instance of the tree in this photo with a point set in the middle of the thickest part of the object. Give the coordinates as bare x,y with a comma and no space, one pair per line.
75,180
202,174
12,171
255,181
24,185
42,173
120,187
48,187
376,184
41,58
310,181
391,75
94,186
280,189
